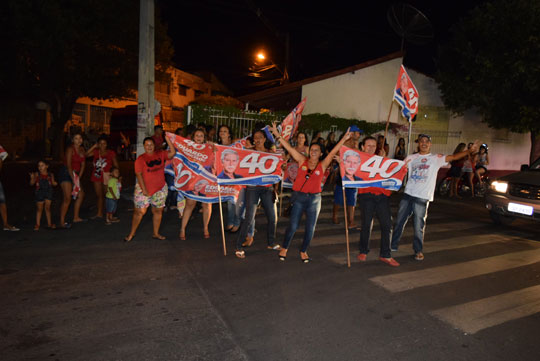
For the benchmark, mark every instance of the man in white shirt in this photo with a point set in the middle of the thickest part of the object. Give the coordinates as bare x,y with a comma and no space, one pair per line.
423,167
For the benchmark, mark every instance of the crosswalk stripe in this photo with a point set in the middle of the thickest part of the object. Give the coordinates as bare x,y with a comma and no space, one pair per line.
477,315
429,247
436,275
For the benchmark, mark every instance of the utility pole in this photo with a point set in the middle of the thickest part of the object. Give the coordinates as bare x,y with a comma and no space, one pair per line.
146,102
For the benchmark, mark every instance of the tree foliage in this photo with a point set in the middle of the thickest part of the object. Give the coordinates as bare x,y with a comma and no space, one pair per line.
59,50
492,65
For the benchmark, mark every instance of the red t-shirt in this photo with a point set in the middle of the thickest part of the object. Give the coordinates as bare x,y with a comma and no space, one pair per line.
76,160
311,184
374,190
102,164
152,168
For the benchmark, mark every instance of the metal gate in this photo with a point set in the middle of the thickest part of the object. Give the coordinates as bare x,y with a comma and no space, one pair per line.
241,122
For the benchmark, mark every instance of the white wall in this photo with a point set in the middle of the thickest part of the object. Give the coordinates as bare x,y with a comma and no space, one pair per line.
366,94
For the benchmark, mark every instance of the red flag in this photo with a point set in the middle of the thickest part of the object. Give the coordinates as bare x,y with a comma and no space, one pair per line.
247,167
290,123
362,170
406,95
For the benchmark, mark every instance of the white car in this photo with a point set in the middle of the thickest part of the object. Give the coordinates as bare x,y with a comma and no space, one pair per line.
515,195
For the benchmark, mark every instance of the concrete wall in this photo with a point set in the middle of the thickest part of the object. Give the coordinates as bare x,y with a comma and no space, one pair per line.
367,93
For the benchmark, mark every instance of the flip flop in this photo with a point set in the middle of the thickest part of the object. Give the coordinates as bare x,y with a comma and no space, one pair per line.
160,237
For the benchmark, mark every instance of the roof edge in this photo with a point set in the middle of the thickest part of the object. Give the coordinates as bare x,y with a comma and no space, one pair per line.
297,84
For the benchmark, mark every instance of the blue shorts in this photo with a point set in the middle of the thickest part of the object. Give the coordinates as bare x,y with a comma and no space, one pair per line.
63,175
110,205
350,194
2,195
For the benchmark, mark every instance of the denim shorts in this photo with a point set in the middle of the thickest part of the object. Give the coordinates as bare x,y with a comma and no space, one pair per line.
110,205
63,175
2,195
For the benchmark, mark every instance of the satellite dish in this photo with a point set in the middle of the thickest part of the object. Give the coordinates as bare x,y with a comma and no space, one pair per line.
410,24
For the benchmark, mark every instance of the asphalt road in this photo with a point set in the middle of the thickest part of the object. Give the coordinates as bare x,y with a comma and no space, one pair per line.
84,294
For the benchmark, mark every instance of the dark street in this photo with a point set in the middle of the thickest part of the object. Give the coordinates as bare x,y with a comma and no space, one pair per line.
84,294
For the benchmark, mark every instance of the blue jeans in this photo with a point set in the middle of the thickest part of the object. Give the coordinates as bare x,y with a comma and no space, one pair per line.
375,204
171,195
303,202
232,219
417,207
266,196
240,211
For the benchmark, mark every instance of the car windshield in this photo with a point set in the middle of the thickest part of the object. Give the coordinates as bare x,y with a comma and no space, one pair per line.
535,165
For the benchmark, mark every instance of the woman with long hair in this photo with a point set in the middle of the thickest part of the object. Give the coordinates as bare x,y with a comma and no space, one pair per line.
267,195
69,179
103,160
199,137
400,151
307,190
302,143
455,171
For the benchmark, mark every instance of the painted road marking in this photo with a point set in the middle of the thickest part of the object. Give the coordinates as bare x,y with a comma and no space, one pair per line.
429,247
436,275
474,316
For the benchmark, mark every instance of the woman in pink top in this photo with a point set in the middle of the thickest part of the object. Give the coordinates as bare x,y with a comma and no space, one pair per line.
103,160
68,178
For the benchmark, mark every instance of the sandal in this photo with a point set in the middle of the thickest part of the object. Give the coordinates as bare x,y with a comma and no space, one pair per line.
248,242
159,236
36,228
240,254
52,226
206,235
127,239
65,226
182,236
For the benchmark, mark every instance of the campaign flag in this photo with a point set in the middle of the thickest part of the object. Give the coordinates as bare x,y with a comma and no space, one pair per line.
3,153
406,95
247,167
362,170
240,143
198,157
290,123
192,168
290,173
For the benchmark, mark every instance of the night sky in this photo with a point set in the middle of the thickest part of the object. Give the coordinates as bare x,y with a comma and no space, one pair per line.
223,36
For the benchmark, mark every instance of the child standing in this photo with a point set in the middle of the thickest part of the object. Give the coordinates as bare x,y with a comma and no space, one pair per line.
44,183
113,195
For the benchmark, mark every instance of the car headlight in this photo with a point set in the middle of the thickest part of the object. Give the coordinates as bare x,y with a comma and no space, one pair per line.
500,187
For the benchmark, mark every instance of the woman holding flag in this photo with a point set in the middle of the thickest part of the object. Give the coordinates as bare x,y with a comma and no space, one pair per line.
267,195
199,137
307,190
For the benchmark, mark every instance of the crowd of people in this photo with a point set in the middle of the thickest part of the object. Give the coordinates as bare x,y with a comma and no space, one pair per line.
314,158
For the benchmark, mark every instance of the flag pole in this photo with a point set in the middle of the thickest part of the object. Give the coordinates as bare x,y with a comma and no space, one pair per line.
281,194
346,226
388,122
221,217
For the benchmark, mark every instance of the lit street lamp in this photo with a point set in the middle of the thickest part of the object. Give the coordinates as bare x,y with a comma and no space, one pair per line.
259,67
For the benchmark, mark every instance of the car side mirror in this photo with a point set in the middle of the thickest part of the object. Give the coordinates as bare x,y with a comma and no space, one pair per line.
524,167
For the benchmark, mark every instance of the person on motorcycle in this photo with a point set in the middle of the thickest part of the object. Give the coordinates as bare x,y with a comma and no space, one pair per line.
455,172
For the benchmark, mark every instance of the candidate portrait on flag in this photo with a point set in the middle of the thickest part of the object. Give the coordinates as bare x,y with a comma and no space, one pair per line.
247,167
362,170
229,160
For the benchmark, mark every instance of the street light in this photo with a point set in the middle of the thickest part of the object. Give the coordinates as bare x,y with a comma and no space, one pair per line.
258,68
